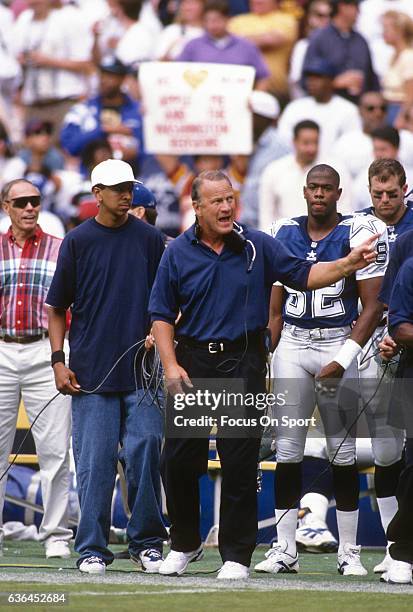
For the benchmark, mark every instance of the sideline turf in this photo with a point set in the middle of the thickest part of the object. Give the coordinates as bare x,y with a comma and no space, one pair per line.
124,588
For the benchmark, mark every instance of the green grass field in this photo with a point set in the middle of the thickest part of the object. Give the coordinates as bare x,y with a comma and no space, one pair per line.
317,588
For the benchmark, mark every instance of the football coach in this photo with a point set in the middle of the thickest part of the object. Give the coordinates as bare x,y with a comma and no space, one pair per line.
218,277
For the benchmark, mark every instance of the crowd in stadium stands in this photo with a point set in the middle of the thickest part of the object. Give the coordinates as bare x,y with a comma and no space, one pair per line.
333,85
69,95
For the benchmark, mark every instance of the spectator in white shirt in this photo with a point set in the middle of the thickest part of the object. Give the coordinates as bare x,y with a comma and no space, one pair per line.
54,48
370,26
398,80
355,149
138,42
281,185
189,25
334,114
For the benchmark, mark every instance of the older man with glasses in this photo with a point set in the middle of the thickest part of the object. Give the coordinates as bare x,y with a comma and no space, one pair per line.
27,263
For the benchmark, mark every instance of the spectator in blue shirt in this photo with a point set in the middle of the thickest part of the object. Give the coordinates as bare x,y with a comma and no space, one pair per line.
219,280
112,114
104,273
346,49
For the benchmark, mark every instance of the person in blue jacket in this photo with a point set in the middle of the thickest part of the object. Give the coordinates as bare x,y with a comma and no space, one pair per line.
112,114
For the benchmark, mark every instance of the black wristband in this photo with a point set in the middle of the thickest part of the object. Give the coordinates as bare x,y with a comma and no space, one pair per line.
58,357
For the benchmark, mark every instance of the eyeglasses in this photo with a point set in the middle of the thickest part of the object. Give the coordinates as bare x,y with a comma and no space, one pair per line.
321,15
40,131
371,107
24,201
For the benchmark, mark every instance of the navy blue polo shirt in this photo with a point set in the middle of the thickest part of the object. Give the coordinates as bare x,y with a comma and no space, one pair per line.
401,300
219,296
402,250
106,275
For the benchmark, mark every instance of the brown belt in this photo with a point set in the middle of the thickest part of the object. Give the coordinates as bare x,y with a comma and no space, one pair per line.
24,339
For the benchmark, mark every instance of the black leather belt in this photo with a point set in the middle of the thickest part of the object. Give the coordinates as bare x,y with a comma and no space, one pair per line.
24,339
255,340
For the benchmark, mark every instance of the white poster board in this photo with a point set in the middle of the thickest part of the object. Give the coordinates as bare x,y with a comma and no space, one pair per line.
194,108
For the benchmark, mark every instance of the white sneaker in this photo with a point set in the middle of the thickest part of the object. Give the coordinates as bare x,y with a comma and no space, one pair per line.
399,572
384,565
57,548
176,562
314,536
233,571
150,560
348,561
278,561
93,565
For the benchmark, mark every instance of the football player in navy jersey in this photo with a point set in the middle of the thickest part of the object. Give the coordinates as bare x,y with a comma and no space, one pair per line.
388,187
315,341
387,184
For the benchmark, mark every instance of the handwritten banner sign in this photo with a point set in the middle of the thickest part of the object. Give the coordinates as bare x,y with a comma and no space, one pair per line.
194,108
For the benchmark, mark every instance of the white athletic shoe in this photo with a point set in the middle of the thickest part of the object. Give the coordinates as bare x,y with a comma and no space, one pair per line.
233,571
348,561
278,561
176,562
150,560
399,572
314,536
57,548
93,565
384,565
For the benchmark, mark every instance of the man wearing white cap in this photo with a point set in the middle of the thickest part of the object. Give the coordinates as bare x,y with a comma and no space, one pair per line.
105,271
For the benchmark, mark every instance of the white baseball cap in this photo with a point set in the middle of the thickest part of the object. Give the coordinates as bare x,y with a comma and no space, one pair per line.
112,172
264,104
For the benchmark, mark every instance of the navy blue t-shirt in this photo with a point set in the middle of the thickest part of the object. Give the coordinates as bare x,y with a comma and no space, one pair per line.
106,275
219,296
402,250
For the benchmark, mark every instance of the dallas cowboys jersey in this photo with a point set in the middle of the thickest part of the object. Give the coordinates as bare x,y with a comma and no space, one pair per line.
335,305
393,231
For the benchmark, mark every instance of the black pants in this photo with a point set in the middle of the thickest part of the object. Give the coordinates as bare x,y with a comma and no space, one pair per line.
400,529
185,460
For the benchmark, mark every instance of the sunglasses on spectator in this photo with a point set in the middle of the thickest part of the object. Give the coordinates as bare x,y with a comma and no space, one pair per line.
321,15
43,130
371,107
24,201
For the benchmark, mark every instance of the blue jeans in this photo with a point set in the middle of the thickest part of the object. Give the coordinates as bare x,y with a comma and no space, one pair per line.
101,422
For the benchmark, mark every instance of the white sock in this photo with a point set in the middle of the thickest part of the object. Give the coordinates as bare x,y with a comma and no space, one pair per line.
317,503
347,523
286,528
388,507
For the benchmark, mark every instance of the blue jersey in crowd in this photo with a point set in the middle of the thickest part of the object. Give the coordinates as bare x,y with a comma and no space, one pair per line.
335,305
85,123
221,296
